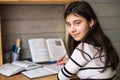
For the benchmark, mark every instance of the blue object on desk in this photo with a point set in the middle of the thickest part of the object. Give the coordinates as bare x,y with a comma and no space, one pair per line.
52,62
13,48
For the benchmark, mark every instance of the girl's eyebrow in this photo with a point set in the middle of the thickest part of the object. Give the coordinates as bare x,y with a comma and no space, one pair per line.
67,22
73,21
76,20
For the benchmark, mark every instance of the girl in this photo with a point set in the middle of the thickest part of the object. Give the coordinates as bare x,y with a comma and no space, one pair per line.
92,55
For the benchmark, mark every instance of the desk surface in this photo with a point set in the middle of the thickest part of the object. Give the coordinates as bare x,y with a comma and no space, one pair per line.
22,77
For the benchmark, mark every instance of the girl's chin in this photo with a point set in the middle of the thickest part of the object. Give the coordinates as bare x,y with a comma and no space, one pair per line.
77,39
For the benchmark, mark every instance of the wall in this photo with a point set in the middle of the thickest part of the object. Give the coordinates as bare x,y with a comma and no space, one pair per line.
108,12
31,21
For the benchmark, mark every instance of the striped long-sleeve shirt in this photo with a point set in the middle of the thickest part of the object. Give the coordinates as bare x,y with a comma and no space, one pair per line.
86,64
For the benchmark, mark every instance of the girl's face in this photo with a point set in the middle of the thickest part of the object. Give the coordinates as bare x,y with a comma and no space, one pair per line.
77,26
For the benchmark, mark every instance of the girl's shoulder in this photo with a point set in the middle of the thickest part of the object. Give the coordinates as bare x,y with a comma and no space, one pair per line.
88,48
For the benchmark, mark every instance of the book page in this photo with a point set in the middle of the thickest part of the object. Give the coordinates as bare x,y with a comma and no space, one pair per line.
38,49
10,69
27,64
56,48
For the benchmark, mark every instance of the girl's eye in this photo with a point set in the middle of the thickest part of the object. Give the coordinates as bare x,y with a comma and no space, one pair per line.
77,23
68,24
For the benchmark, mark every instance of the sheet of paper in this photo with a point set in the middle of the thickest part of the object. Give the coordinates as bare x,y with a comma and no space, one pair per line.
53,67
39,72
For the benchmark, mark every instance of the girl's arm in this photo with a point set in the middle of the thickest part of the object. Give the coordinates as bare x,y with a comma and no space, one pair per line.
72,66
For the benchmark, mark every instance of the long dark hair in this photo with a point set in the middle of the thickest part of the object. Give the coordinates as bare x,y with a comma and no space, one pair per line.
96,37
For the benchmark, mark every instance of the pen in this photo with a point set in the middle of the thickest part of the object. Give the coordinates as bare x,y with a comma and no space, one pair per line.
18,45
62,58
17,42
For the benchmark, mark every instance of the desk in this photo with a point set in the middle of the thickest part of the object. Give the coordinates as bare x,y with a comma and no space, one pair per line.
22,77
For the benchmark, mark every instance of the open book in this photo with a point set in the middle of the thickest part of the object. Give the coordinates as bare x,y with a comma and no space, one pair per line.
9,69
46,70
44,50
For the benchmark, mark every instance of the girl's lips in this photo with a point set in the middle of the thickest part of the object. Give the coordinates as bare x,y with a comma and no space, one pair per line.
75,35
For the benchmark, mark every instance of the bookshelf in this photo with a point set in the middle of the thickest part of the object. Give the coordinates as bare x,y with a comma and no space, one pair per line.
35,1
27,2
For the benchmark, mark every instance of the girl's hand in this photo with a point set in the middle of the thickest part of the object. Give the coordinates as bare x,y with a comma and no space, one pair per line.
62,61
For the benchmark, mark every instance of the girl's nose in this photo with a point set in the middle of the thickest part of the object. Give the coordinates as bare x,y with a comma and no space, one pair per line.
72,29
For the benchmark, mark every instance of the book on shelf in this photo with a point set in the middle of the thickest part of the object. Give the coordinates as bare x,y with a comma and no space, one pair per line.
15,67
46,70
44,50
